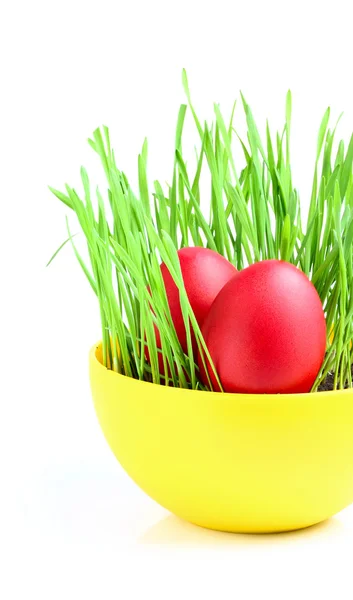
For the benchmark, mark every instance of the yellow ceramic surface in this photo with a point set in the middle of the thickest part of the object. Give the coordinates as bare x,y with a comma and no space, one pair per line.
233,462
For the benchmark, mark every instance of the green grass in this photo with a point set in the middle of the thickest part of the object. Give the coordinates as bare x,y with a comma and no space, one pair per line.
254,214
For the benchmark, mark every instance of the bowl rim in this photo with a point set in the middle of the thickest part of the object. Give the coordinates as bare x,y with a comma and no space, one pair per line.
224,395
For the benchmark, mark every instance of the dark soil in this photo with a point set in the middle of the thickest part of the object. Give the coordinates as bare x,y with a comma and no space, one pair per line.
327,385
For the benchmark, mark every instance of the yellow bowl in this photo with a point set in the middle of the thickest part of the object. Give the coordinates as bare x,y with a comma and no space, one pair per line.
232,462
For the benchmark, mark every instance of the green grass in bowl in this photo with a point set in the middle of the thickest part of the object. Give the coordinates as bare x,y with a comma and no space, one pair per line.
254,213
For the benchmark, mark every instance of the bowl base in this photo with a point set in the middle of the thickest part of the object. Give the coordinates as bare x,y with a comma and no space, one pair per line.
254,530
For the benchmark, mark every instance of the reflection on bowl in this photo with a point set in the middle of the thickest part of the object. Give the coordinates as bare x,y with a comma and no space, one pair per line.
231,462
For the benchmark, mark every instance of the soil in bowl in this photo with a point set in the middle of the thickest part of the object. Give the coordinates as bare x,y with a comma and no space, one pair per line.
327,385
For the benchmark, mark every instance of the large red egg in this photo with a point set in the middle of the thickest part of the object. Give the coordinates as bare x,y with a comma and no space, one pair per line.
205,272
266,331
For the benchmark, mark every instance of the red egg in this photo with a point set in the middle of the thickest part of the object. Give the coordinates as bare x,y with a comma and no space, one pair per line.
266,331
205,272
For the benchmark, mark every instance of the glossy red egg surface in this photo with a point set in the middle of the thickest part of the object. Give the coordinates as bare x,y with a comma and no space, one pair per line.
266,331
205,273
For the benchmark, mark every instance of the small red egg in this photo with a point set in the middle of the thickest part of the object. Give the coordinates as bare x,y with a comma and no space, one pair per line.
205,272
266,331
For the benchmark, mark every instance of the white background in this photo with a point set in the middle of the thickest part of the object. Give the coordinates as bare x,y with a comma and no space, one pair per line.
72,524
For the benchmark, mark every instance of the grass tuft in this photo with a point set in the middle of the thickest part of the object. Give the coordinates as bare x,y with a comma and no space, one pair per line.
254,214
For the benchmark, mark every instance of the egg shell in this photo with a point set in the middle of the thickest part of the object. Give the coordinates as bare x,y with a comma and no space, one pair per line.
205,273
266,331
